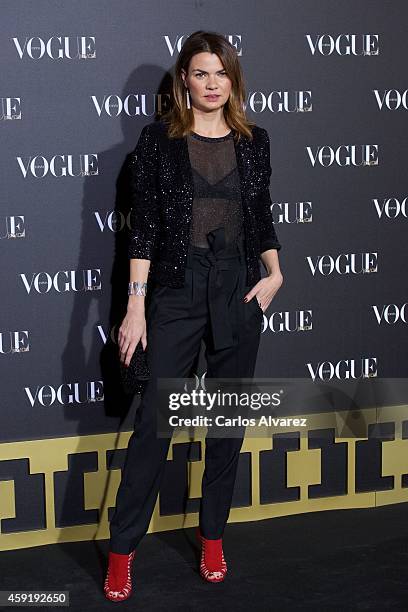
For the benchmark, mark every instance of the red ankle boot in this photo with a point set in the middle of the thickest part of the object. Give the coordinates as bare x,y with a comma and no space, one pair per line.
213,566
118,581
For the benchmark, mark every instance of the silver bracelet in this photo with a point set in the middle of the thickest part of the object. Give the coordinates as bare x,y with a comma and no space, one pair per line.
137,288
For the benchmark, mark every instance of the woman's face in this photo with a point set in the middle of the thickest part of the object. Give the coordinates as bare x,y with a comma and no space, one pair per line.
207,81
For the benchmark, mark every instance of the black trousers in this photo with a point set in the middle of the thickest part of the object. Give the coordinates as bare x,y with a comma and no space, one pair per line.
209,306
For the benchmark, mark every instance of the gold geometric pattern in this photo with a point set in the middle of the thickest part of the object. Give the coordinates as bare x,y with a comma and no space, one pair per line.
303,469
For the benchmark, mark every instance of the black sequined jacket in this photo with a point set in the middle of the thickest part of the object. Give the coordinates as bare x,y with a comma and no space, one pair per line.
161,188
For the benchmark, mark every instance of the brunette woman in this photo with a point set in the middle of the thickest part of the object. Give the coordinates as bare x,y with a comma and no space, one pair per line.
201,222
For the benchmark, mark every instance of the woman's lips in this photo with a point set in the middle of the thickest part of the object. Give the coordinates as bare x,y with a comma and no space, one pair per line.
213,97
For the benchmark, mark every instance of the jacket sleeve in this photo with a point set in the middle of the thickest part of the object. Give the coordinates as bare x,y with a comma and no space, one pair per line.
267,235
144,214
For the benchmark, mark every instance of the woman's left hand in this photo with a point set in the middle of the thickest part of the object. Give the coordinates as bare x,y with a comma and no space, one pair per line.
265,289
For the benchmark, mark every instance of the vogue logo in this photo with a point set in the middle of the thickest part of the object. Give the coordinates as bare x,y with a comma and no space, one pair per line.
344,369
114,220
10,108
67,393
234,39
345,263
344,155
344,44
111,334
390,313
391,98
56,47
14,342
145,105
296,321
14,227
85,164
63,281
299,212
133,105
279,101
391,207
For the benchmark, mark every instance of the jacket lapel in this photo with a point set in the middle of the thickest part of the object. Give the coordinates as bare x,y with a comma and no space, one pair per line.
242,155
185,169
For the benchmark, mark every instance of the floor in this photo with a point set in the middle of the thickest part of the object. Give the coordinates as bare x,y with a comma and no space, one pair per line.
339,560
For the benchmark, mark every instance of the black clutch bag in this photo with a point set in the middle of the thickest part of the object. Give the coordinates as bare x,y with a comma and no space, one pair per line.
134,376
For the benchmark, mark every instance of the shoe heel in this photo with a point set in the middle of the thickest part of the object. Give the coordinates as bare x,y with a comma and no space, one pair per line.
212,555
119,589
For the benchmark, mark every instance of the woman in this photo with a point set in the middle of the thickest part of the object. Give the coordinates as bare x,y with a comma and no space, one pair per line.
200,220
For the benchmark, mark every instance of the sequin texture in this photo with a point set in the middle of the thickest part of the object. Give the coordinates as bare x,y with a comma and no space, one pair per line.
162,193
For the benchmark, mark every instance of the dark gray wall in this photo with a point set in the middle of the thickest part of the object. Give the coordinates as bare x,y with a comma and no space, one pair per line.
339,71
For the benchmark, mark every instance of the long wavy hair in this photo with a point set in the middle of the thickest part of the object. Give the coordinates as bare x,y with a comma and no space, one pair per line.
180,119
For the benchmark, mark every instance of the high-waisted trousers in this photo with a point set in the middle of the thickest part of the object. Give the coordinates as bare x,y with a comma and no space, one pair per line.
208,307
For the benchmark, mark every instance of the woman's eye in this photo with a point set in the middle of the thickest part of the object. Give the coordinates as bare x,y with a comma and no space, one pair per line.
200,74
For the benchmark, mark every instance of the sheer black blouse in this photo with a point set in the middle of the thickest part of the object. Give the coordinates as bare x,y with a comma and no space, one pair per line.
217,197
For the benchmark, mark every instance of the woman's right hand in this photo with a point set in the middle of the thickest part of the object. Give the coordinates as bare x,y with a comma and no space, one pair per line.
132,329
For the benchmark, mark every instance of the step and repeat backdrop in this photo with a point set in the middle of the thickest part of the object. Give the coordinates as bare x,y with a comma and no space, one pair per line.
79,80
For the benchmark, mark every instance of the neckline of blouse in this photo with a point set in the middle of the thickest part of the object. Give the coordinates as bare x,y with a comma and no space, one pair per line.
210,138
